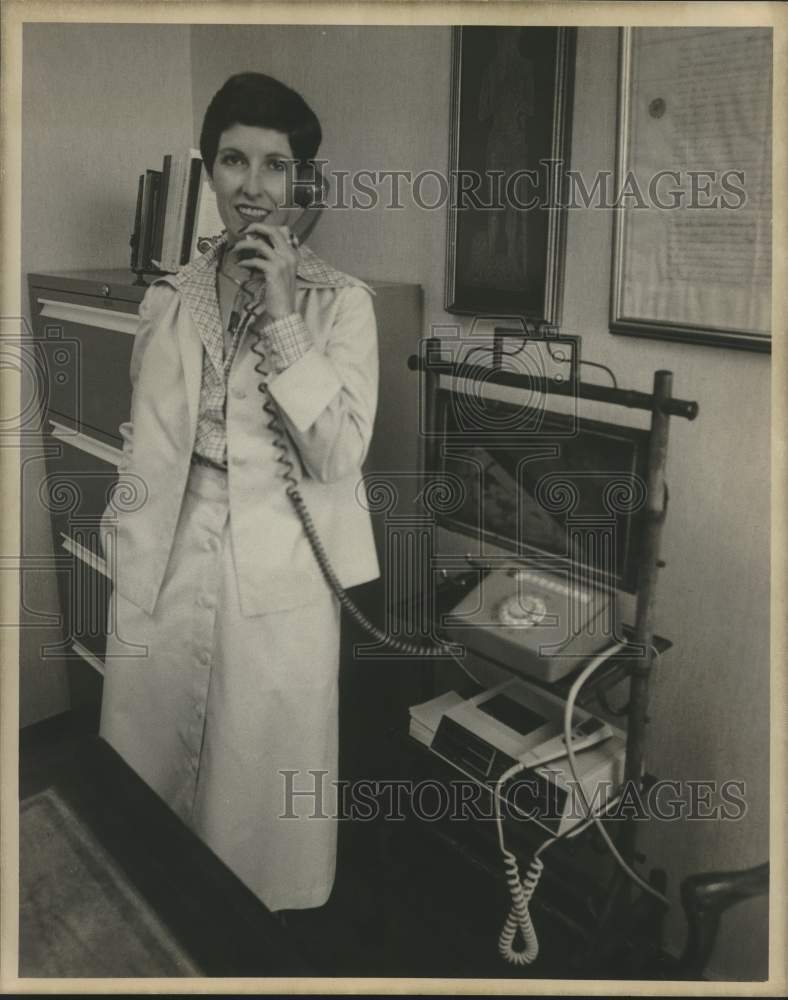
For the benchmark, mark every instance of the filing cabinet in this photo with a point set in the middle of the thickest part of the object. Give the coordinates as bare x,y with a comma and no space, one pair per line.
83,324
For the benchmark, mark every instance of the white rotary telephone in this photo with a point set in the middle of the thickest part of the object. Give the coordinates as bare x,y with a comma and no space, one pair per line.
537,623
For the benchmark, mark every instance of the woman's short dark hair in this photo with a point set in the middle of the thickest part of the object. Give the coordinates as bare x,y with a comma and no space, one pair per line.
260,100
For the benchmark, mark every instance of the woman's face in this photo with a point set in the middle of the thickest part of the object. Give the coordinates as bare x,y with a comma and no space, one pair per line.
250,178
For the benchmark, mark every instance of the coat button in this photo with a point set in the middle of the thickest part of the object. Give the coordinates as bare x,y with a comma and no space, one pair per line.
238,460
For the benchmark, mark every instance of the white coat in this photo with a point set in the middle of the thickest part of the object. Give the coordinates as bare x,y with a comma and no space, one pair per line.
327,398
222,657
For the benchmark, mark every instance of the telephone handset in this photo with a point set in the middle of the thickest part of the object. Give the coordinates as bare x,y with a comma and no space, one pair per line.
301,229
308,195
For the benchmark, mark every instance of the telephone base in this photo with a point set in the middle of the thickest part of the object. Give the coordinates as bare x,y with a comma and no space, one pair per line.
535,623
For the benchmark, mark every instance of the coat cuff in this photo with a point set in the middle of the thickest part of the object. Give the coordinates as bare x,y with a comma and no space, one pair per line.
288,340
306,388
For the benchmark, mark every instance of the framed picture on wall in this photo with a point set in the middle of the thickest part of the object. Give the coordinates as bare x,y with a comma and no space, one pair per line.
510,135
692,235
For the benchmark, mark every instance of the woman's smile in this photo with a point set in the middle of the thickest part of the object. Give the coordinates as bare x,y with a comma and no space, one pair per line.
251,214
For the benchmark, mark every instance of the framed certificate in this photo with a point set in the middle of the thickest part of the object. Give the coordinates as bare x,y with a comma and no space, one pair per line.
692,238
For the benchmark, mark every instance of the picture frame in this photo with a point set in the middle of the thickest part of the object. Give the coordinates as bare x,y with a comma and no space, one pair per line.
512,90
700,273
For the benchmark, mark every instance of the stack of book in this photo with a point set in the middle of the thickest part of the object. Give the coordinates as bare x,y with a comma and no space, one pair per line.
176,211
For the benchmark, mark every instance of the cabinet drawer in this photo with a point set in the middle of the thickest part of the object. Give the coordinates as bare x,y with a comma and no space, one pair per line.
85,593
85,347
80,474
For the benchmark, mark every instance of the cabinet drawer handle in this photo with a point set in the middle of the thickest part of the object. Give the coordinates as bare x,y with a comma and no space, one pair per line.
105,291
103,319
90,658
85,443
84,555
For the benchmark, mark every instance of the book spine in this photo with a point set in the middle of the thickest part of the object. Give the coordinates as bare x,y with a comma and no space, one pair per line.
137,234
198,209
158,233
153,208
190,215
171,241
144,246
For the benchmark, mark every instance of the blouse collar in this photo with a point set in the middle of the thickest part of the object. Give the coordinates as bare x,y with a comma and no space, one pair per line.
196,282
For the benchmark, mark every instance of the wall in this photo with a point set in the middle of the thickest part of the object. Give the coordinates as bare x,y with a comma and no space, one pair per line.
383,97
94,119
101,103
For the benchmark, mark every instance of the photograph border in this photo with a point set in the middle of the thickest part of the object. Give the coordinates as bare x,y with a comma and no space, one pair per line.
14,14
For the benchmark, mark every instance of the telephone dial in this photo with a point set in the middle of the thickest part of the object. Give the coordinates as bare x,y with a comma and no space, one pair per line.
525,612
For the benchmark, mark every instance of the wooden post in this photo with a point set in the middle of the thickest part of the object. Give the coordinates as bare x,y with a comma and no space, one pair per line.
619,892
433,349
429,388
646,594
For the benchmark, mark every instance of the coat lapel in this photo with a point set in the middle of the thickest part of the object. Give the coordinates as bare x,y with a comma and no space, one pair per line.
196,283
191,357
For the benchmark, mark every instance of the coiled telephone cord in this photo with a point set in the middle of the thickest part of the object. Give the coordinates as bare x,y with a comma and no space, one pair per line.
521,891
287,470
519,916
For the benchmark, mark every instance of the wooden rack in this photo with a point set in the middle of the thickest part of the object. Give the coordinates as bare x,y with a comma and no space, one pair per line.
662,405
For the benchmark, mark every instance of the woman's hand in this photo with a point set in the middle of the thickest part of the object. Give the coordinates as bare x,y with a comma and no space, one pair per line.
276,258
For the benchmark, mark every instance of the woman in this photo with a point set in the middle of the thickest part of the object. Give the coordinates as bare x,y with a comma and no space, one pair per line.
222,658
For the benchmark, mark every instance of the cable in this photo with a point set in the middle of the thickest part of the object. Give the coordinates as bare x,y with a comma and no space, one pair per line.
519,917
462,666
568,714
590,364
522,890
596,364
619,711
553,357
491,349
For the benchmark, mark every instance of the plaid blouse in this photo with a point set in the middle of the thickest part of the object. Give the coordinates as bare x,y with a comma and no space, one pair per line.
286,339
